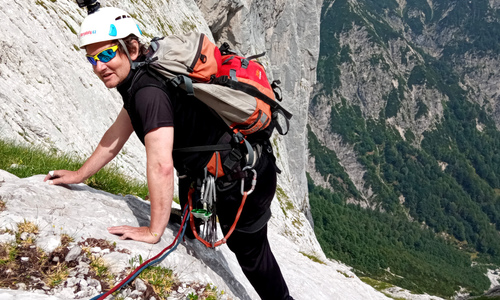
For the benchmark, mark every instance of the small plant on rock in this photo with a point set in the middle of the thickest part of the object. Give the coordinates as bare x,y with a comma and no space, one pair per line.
162,280
30,228
2,205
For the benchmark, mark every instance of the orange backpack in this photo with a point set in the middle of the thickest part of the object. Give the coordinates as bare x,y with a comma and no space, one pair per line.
235,87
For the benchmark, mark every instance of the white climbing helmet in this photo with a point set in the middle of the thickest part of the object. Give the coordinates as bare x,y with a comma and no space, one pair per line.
107,24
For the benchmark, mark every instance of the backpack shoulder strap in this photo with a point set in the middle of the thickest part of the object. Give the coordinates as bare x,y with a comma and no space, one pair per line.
226,81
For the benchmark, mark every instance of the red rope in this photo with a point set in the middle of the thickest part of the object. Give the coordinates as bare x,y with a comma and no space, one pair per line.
224,239
144,263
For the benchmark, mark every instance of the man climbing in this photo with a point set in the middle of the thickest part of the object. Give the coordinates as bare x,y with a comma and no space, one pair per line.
166,118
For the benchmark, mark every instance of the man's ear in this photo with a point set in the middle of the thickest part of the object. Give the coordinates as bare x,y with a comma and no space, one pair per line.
134,51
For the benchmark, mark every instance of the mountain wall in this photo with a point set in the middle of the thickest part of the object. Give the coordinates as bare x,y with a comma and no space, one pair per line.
51,98
288,32
404,125
379,57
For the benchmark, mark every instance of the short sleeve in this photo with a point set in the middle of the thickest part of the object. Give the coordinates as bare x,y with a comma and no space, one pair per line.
154,109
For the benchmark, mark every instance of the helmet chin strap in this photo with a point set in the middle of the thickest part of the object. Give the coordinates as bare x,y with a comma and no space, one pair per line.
132,64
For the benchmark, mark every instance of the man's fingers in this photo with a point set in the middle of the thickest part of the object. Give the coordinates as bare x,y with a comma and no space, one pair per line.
141,234
49,176
55,181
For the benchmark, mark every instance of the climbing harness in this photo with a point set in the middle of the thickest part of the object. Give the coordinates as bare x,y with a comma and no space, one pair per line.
150,262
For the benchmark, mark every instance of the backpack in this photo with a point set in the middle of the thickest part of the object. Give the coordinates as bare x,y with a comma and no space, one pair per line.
235,87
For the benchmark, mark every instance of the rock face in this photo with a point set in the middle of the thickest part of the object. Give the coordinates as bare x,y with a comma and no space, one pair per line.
288,31
50,97
49,94
82,212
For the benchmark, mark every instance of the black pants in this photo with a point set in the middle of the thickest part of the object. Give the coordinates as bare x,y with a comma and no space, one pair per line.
249,242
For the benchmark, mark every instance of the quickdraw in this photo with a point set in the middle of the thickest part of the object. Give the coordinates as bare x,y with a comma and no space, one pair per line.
209,216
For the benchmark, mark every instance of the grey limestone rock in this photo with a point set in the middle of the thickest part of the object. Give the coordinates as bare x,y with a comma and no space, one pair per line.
73,253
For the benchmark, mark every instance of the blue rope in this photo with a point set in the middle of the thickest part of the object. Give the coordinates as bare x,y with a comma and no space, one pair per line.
156,261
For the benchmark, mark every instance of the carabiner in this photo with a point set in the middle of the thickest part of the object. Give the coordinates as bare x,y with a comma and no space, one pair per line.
254,182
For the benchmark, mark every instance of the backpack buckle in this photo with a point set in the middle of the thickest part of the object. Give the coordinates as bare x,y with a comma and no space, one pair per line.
232,159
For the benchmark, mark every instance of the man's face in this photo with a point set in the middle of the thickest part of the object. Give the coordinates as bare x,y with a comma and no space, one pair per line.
114,71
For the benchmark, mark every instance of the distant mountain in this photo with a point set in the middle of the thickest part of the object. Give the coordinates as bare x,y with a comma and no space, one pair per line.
404,173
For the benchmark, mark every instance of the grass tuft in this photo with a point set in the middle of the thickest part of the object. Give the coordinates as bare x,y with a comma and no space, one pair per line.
313,258
2,205
25,161
161,279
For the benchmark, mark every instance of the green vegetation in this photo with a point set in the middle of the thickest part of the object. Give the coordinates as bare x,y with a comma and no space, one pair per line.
22,260
285,202
313,258
70,27
338,16
435,209
374,242
460,202
379,286
25,161
162,280
329,60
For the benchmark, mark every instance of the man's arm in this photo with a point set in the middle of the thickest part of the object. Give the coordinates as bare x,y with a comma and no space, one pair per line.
160,173
109,146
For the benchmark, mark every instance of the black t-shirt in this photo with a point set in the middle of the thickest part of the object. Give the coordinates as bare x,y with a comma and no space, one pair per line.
157,105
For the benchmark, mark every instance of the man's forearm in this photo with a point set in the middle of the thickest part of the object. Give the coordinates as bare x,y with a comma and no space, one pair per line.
161,187
109,146
160,171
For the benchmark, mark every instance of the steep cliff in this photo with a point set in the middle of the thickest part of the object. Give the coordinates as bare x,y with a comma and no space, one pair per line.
288,33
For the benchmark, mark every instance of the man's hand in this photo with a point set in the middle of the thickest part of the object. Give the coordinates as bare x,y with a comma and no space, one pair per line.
64,177
141,234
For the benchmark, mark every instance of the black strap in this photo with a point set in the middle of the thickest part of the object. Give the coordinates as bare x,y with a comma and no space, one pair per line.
188,83
233,159
239,138
234,176
275,86
256,56
257,224
206,148
225,49
278,125
253,91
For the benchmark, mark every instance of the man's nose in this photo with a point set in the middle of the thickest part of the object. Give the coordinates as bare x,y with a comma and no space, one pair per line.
99,66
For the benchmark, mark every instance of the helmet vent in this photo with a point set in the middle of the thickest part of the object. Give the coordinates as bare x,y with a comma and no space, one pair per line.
122,17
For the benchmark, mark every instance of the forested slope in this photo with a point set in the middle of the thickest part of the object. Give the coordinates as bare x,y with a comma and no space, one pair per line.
408,90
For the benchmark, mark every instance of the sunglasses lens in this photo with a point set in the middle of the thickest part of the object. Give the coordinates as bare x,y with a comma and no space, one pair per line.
92,60
106,55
